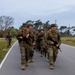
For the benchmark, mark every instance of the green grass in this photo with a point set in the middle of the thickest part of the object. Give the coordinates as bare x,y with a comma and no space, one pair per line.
3,47
68,40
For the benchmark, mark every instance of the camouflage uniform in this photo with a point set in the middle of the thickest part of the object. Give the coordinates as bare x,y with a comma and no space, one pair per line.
46,34
37,41
53,50
22,50
41,41
46,45
26,45
9,39
31,41
20,39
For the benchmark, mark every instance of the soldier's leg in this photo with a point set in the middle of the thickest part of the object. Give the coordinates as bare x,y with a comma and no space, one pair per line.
41,50
31,56
45,51
48,55
54,57
37,47
22,58
27,56
48,52
55,54
31,53
51,61
21,47
7,42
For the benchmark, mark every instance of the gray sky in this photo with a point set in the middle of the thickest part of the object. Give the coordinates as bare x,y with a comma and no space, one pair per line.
22,10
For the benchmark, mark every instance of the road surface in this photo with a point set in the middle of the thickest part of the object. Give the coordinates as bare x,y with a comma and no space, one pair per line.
64,65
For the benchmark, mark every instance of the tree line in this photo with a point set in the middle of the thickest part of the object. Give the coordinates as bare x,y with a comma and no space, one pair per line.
6,24
64,30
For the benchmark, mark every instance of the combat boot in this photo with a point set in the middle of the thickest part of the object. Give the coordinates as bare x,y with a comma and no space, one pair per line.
51,66
32,59
26,64
29,61
23,67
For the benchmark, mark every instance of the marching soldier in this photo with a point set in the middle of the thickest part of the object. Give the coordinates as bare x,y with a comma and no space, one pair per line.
9,39
22,49
54,41
20,39
31,41
46,33
26,44
41,41
37,41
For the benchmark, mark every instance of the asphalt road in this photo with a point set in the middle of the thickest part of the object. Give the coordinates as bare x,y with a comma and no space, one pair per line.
65,64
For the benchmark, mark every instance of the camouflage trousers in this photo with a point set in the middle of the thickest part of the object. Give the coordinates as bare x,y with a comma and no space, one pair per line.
41,49
31,51
37,46
8,42
53,51
22,51
27,51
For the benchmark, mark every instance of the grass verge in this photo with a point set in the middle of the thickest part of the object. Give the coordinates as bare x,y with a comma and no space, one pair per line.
3,47
68,40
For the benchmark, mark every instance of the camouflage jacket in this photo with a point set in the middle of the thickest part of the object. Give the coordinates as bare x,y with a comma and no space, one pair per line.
54,36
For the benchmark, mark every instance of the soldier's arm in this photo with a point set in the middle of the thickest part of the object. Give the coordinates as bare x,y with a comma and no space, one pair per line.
59,39
59,42
27,34
48,40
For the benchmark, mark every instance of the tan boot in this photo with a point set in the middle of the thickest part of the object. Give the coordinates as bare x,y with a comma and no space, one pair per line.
51,66
23,67
32,59
29,61
26,64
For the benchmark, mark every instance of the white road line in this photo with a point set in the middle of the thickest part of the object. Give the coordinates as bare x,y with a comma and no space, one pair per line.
6,55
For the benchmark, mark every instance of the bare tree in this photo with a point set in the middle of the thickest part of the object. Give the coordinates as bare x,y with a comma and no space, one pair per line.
6,22
1,22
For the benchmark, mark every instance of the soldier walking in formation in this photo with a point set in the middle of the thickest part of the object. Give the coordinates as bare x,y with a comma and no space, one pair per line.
41,39
31,41
26,44
21,44
47,42
54,41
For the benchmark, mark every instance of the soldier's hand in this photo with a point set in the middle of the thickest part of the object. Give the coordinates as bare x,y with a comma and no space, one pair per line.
20,37
27,35
57,45
43,46
33,44
52,42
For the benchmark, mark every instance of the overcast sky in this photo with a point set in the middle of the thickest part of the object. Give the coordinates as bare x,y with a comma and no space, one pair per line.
22,10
